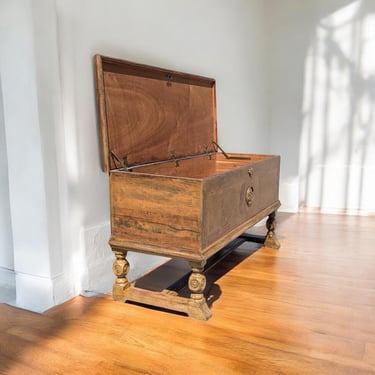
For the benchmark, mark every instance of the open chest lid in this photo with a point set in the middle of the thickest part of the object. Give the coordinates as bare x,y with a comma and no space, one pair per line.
149,114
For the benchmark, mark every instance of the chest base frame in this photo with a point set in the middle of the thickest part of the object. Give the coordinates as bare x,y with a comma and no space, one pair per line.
196,305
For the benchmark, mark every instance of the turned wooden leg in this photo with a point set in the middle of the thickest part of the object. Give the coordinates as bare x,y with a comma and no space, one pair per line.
120,269
271,239
198,308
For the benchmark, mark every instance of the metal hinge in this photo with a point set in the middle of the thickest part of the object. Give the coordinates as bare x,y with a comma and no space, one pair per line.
228,156
122,162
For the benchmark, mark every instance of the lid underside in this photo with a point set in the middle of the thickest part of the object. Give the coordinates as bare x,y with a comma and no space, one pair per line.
149,114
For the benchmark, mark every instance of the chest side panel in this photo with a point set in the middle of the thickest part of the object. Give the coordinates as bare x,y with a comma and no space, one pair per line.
234,197
156,214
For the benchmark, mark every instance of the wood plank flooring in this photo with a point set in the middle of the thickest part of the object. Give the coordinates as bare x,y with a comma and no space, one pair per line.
308,308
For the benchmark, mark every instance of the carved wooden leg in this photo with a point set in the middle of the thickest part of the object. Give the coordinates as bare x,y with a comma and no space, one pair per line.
271,239
198,308
120,269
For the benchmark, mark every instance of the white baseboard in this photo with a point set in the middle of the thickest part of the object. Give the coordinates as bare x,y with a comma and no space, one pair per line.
7,286
337,211
7,277
39,294
98,276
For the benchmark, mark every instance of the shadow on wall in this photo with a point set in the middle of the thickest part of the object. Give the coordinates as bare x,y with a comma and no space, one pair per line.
6,239
337,145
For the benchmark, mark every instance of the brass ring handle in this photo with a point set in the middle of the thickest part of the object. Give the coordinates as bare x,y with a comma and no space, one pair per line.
249,196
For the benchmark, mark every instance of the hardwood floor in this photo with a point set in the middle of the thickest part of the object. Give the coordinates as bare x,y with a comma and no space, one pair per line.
308,308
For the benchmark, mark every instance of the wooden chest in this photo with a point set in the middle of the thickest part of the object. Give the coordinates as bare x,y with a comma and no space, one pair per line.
173,191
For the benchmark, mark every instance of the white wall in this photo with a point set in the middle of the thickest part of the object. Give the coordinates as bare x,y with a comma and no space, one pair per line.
29,76
321,64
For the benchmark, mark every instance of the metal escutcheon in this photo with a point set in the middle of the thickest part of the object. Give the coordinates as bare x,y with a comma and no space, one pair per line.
250,172
249,196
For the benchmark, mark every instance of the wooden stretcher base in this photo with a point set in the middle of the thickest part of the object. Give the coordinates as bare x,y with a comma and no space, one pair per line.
192,276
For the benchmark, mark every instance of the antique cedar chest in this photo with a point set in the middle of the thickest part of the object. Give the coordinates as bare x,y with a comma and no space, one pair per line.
172,193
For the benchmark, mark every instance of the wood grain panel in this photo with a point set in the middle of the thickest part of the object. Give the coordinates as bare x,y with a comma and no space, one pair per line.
224,203
156,210
147,113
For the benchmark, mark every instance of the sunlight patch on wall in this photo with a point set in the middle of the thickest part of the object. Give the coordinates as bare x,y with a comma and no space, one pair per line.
337,170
